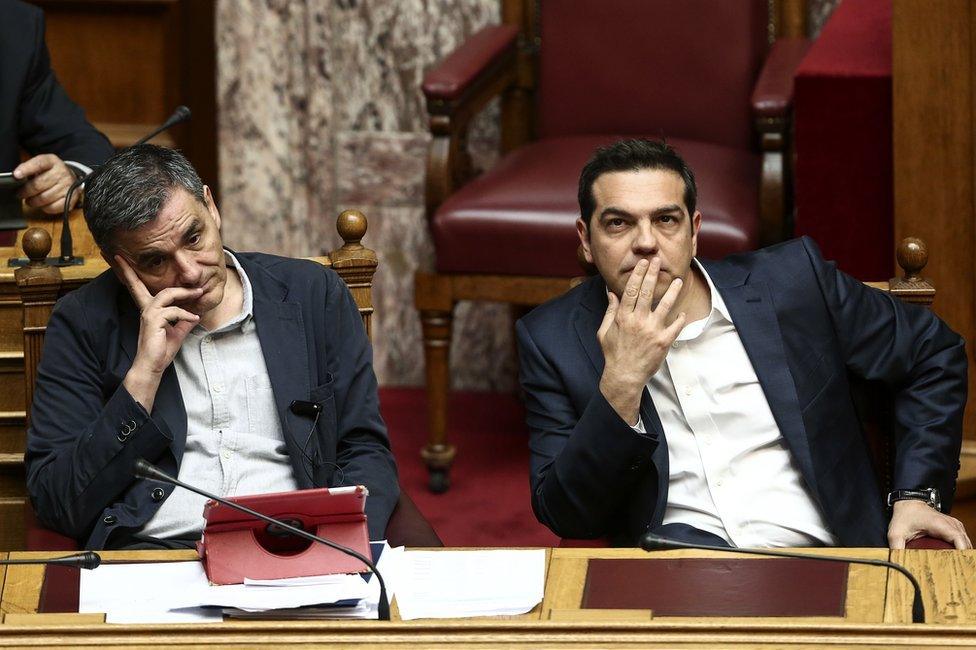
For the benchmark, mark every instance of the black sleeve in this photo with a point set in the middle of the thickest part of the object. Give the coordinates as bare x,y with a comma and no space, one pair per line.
49,122
922,361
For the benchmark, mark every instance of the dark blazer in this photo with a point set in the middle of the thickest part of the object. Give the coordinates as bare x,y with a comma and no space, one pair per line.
35,112
80,463
805,326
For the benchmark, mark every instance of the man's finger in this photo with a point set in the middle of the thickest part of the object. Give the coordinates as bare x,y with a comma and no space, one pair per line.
170,295
645,297
612,304
672,330
137,289
173,315
35,165
50,195
629,297
669,298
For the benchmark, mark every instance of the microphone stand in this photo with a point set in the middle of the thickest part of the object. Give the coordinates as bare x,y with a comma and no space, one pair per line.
652,542
86,560
144,469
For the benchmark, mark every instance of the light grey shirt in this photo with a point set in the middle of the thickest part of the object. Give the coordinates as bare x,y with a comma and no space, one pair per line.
234,442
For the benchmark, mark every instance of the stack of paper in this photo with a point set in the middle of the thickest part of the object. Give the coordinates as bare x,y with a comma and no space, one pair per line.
180,592
453,584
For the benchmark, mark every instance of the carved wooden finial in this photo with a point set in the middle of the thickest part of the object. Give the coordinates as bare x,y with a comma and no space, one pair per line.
912,257
351,225
37,244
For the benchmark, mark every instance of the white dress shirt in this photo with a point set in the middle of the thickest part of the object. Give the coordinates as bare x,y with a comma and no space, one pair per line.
731,473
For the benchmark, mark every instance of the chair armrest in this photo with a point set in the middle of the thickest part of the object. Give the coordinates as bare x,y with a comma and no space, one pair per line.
462,69
773,94
928,543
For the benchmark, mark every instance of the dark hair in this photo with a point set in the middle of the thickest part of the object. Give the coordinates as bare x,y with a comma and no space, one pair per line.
132,186
633,155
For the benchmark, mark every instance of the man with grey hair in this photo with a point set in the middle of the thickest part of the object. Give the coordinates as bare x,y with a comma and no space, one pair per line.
193,357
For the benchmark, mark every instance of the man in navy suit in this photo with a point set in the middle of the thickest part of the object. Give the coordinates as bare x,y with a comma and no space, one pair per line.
192,356
710,401
38,116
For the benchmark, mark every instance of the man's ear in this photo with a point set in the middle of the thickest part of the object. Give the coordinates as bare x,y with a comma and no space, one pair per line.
211,205
695,228
584,236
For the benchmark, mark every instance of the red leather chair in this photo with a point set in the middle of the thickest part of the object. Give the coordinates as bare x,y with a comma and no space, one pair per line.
572,76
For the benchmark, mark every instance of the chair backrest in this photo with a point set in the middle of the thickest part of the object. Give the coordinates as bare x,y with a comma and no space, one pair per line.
651,67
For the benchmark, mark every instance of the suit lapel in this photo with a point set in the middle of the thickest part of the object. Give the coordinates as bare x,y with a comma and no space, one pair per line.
751,307
281,331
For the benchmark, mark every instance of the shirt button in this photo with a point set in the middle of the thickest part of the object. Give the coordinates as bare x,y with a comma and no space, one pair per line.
225,455
689,389
157,494
718,483
108,520
675,345
708,439
217,388
208,339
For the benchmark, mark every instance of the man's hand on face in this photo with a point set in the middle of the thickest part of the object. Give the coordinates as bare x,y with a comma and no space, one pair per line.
49,180
911,518
162,328
635,338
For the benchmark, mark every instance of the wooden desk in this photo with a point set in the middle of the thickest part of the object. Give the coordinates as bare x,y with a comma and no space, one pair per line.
878,611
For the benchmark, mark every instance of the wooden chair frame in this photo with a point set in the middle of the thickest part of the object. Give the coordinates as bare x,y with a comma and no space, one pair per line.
512,78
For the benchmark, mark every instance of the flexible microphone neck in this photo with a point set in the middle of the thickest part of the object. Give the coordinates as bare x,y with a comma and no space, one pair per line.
144,469
653,542
180,115
86,560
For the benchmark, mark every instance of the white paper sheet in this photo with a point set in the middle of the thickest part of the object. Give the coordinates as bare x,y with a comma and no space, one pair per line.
455,584
144,593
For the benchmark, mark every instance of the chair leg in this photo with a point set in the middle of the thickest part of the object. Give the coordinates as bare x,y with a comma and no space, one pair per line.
437,454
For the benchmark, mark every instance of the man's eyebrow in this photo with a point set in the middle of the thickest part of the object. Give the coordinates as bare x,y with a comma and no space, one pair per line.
192,228
612,211
667,209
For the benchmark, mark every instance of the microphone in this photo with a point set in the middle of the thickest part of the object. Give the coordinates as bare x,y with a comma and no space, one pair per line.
86,560
180,115
143,469
652,542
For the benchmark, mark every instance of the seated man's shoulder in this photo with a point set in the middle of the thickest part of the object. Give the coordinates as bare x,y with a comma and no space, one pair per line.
779,262
290,269
556,314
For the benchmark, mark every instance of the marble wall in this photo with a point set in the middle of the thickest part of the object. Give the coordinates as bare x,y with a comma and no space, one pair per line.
320,111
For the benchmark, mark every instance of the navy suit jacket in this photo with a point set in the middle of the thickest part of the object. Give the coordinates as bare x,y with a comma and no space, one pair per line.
35,112
80,470
805,327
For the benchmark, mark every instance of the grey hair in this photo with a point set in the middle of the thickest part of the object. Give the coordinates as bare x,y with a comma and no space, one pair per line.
131,188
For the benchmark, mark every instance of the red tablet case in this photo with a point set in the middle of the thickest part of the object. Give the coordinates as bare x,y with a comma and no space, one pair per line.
237,546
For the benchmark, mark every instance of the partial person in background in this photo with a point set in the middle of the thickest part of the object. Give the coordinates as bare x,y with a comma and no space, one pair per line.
38,116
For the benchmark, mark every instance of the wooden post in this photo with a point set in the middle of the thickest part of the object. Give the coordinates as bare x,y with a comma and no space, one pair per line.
355,263
39,286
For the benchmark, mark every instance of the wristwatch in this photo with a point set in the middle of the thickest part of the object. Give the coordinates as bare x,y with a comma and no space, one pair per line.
929,495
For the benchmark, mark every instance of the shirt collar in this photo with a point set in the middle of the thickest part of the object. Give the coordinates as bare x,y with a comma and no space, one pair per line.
718,311
717,302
